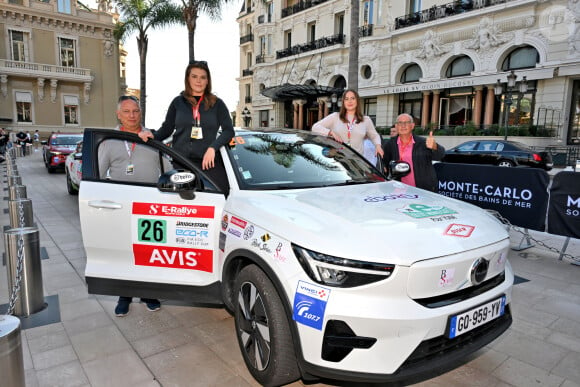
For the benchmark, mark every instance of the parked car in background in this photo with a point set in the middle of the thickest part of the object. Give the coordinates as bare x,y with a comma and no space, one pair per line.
498,152
73,169
328,269
57,148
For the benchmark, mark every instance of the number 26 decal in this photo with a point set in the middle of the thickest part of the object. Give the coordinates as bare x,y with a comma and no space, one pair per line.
237,140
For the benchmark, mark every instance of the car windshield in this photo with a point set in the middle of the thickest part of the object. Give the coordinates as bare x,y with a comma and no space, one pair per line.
296,160
66,140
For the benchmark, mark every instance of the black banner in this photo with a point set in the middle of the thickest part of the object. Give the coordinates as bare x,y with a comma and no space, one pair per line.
519,194
564,208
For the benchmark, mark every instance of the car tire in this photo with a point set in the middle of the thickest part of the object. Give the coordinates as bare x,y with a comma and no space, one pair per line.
50,169
69,185
263,329
506,163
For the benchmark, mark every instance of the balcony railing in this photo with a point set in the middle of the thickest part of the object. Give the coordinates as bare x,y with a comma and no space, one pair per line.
301,6
247,38
260,59
29,69
247,72
314,45
365,31
445,10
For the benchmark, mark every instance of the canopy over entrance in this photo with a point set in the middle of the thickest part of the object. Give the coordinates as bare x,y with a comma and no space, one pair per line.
288,91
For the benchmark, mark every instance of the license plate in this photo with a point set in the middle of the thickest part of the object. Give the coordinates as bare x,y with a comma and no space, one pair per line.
476,317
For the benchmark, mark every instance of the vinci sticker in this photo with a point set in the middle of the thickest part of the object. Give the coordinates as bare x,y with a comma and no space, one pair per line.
180,210
419,211
309,304
173,257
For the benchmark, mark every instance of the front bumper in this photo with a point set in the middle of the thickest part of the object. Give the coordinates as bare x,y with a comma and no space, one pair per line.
56,160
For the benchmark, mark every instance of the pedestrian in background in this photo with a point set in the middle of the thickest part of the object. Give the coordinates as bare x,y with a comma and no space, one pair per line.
418,151
36,139
194,118
125,161
349,125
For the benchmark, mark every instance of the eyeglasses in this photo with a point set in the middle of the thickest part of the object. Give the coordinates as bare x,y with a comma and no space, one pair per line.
404,122
126,97
198,63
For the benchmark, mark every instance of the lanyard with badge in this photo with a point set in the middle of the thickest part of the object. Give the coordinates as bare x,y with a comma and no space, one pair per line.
349,126
130,170
196,132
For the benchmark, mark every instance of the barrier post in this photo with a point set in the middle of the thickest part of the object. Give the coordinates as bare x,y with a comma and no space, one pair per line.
24,270
17,219
16,192
11,358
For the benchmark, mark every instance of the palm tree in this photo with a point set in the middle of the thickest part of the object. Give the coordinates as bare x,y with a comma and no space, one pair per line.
353,47
191,11
140,16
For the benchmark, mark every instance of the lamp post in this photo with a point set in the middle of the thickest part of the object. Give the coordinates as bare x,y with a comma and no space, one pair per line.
511,83
247,115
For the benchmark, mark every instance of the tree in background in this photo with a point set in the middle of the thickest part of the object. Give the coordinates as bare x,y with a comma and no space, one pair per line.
191,11
139,16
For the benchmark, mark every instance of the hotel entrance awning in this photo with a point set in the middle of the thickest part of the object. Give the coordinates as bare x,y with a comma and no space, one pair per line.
288,92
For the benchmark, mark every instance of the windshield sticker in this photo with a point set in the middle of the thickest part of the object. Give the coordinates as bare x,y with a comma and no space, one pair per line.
246,175
173,210
459,230
310,304
446,277
384,198
173,257
419,211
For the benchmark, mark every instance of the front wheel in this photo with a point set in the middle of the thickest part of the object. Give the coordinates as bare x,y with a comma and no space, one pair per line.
69,184
263,329
505,163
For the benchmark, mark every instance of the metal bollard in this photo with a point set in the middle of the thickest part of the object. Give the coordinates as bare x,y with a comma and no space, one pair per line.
14,212
14,180
16,192
30,297
11,358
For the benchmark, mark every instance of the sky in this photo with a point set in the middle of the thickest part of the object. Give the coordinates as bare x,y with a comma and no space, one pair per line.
168,56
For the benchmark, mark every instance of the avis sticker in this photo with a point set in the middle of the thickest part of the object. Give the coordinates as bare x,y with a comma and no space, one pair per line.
459,230
310,304
173,257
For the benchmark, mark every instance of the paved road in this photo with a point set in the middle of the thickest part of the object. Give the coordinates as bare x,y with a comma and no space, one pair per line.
187,346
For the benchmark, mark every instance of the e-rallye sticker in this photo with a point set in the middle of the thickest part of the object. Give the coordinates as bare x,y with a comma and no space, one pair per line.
173,257
310,304
180,210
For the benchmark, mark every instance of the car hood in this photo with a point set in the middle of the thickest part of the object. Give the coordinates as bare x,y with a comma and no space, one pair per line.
401,223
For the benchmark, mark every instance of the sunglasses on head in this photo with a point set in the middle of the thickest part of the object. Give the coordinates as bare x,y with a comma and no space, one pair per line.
126,97
198,63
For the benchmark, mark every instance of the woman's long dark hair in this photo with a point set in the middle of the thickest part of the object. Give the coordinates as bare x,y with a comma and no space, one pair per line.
358,113
208,97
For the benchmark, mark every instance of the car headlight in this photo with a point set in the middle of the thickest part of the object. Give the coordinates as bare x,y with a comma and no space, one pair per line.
340,272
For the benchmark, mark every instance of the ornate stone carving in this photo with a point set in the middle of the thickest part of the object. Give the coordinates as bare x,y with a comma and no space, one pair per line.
431,46
4,84
573,22
53,84
40,88
87,90
108,44
486,36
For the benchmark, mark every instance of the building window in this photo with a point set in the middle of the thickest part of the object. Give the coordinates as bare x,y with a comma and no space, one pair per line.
262,45
411,103
248,97
411,74
248,60
67,52
264,117
339,23
521,58
288,39
459,67
366,71
64,6
270,11
71,110
23,106
370,109
269,45
19,45
311,32
368,12
414,6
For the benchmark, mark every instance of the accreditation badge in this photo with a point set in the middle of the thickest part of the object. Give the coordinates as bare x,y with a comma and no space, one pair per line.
130,170
196,132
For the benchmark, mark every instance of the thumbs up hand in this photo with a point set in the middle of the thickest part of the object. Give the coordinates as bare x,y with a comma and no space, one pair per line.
431,144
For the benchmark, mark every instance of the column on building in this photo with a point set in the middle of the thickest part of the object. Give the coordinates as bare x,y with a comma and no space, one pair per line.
478,105
435,107
321,106
295,108
489,106
301,114
425,109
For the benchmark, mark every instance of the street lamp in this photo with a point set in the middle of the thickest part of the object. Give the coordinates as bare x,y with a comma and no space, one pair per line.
498,90
247,115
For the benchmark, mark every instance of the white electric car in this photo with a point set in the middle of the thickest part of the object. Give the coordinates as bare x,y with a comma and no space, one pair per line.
329,269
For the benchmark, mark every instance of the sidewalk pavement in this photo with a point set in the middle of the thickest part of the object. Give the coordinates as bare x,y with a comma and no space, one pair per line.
187,346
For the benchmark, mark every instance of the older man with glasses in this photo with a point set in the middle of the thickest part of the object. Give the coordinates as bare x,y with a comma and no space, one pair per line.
418,151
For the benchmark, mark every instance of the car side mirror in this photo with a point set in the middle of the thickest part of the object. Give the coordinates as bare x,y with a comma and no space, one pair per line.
178,181
78,156
398,169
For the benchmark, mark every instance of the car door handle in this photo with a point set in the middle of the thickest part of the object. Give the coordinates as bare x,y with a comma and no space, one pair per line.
105,204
